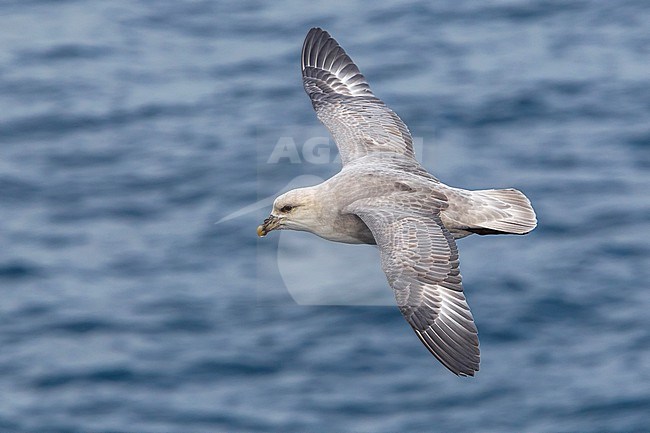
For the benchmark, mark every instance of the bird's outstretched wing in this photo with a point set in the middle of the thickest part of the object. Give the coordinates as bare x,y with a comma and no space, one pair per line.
359,121
420,260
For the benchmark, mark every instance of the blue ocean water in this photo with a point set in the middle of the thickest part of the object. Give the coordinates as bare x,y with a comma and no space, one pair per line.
129,128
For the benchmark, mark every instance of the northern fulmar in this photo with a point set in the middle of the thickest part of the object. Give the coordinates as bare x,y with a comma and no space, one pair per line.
383,196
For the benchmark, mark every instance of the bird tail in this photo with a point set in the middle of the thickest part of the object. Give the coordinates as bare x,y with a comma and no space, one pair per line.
502,211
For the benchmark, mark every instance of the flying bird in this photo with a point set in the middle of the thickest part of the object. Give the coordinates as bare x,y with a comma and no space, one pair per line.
383,196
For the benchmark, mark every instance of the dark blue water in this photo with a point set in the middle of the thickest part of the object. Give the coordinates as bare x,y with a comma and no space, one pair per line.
127,129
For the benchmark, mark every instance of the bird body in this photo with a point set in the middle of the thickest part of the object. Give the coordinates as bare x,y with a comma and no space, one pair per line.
383,196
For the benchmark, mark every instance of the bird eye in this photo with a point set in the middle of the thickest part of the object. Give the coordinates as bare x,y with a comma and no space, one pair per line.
286,208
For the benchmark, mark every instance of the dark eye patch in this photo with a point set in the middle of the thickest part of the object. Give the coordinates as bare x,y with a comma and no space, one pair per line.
286,208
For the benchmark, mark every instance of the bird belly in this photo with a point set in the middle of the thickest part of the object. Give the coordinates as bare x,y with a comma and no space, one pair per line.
348,229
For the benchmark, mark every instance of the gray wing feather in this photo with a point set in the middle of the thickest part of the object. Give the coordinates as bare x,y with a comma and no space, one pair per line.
359,121
420,260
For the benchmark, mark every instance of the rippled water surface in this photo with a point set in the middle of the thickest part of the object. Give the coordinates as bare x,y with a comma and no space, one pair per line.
128,128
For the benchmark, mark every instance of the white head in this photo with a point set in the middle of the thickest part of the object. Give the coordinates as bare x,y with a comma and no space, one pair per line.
293,210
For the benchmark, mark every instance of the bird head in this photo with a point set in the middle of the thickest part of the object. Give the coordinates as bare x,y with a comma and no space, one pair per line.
293,210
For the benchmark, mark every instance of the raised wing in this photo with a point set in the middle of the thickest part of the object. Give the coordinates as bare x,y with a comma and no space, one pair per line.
420,260
359,121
